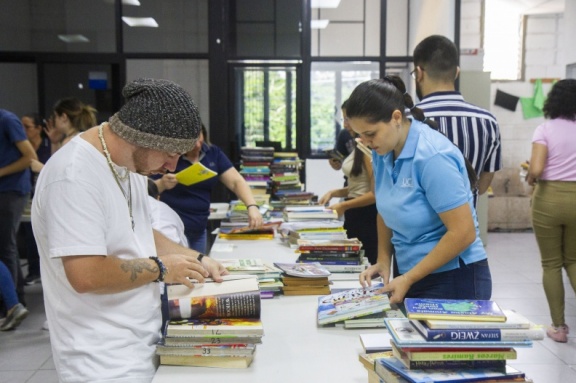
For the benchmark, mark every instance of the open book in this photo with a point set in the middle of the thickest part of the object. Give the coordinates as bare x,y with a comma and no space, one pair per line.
194,173
238,296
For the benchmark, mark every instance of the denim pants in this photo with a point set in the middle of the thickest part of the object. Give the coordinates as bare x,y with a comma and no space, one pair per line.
196,240
472,281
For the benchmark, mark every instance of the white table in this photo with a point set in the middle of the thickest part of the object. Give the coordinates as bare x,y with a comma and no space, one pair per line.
293,348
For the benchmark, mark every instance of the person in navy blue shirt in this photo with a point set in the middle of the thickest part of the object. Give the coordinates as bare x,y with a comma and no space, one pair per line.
16,156
424,200
192,203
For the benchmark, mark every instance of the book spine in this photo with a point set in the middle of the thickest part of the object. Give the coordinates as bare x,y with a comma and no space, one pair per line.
328,248
461,355
345,268
455,335
455,364
330,262
331,254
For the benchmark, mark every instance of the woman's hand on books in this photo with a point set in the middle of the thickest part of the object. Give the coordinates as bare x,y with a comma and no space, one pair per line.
397,288
254,217
374,271
325,198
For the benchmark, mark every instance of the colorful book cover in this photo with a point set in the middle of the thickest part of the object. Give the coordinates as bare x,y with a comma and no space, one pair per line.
351,303
236,297
405,335
194,173
514,320
304,270
189,341
454,309
455,335
446,375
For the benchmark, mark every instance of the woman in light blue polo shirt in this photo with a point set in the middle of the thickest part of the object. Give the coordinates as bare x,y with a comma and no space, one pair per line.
424,200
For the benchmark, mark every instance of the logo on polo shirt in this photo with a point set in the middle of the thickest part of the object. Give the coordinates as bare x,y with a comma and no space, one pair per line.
406,183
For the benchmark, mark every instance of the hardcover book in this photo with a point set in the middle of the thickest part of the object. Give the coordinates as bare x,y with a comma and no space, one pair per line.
238,296
376,342
351,303
405,335
455,353
220,340
514,320
207,361
214,327
438,335
446,364
446,375
194,173
454,309
207,350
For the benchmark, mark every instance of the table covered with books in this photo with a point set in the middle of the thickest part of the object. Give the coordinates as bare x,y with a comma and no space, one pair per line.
294,348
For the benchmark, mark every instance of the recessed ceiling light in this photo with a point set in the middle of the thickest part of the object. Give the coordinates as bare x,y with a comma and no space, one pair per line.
319,24
140,21
325,3
125,2
74,38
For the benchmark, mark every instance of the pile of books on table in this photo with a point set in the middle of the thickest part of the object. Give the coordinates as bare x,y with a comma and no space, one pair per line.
344,255
269,276
294,213
445,340
304,279
255,168
213,324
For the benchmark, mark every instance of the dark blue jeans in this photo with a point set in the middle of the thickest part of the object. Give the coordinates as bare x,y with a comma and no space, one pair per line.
196,241
12,206
472,281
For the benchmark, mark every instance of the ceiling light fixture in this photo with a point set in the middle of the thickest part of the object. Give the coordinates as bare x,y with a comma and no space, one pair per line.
140,22
74,38
319,24
325,3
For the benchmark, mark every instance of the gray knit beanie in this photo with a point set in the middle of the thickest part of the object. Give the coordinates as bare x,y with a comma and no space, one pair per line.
158,114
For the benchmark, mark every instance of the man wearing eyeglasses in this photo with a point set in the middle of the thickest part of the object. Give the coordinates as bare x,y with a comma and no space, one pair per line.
473,129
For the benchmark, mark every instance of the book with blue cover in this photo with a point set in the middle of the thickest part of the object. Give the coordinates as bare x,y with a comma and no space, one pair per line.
445,375
405,334
535,332
454,309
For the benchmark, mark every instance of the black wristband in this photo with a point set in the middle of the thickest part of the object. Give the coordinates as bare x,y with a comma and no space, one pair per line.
200,256
161,268
249,206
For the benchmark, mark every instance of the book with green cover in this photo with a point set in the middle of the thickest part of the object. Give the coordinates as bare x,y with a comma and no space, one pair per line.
194,173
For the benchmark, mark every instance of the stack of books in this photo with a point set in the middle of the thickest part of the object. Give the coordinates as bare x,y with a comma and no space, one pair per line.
231,230
304,279
352,303
213,324
285,178
269,276
255,168
337,255
444,340
294,213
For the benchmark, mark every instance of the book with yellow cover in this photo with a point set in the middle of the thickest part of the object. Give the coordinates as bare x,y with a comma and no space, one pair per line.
194,173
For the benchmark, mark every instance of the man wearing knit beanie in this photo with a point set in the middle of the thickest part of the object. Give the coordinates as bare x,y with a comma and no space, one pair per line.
100,256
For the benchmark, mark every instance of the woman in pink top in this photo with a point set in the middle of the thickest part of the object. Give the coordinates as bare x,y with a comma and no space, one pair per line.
553,173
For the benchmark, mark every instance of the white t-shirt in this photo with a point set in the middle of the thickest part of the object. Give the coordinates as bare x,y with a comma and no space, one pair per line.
167,221
78,209
357,185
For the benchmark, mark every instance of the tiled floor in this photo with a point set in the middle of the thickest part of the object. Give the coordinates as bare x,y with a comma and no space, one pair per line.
25,354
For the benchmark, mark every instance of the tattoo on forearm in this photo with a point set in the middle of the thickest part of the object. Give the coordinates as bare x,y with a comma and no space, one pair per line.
138,267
